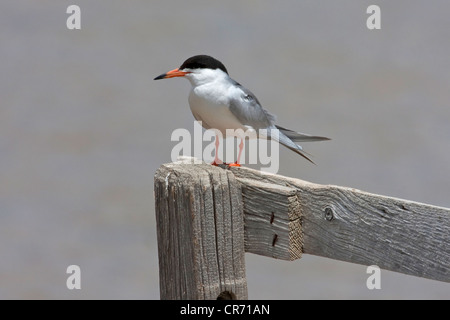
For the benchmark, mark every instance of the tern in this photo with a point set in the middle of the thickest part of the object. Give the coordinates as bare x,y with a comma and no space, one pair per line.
219,102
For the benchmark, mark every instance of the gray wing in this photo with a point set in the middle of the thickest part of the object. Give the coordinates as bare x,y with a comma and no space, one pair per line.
247,109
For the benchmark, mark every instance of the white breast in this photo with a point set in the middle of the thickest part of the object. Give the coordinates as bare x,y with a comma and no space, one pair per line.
209,104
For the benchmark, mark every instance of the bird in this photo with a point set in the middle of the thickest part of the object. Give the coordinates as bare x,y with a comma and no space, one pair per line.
219,102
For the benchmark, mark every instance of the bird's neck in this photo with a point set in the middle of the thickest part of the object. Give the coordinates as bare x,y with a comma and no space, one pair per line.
208,76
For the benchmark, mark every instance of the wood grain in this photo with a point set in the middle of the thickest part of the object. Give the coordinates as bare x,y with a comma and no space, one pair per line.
200,232
272,220
359,227
207,217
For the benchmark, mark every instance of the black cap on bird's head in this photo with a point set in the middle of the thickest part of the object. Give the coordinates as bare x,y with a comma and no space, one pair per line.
203,62
196,62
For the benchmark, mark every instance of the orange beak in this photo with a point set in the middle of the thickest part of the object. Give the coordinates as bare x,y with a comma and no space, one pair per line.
172,74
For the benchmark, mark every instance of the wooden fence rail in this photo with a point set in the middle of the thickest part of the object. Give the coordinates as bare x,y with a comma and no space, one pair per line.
208,217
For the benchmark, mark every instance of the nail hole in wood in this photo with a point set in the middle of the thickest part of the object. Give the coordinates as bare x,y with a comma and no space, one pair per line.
226,295
275,237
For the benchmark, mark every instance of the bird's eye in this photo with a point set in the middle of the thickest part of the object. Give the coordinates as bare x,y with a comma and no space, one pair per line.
248,97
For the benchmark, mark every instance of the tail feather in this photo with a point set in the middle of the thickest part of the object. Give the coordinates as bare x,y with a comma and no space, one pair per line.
288,143
299,151
300,137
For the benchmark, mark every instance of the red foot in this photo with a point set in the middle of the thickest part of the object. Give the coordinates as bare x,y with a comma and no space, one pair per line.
234,164
220,163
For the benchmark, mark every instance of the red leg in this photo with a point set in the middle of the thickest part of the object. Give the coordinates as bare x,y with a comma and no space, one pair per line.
216,161
237,163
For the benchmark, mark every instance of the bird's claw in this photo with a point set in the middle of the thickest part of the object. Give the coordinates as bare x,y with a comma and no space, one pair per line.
224,164
234,164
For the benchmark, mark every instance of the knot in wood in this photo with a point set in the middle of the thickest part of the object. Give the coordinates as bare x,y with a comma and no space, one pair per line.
329,214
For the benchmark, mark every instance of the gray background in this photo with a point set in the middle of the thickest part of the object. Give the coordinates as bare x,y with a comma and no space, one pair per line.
83,128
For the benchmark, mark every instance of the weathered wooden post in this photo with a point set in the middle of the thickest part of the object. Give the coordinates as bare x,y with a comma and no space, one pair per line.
200,232
207,217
